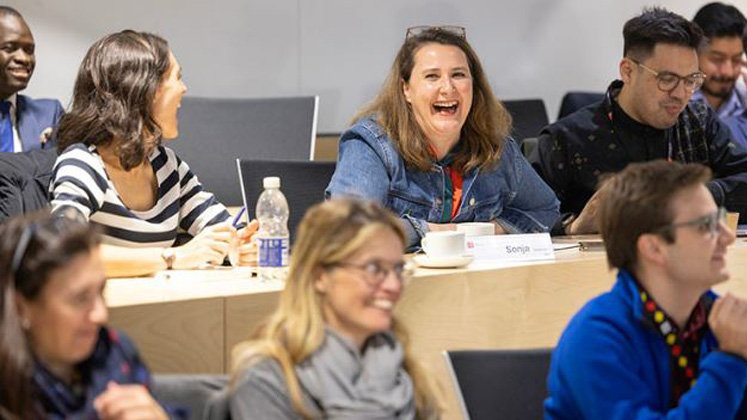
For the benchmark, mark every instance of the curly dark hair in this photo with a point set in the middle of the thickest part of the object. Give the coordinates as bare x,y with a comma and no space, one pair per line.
113,96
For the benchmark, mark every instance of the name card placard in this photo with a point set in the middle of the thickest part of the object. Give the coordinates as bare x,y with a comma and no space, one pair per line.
523,247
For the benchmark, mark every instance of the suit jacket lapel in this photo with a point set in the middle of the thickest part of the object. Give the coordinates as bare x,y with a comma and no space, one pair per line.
28,126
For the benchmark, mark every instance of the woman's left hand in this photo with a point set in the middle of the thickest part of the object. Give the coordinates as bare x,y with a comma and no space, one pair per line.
243,246
128,402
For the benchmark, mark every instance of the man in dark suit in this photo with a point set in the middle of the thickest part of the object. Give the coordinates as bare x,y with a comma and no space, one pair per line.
25,123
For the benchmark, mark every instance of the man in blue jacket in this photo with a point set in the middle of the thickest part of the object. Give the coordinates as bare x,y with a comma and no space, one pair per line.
660,344
25,124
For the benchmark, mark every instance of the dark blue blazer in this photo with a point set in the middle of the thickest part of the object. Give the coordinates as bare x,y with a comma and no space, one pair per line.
33,117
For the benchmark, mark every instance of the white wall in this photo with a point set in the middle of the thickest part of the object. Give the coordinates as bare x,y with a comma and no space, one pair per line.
341,50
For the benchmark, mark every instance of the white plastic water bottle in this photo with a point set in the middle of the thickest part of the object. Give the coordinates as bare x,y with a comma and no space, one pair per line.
272,237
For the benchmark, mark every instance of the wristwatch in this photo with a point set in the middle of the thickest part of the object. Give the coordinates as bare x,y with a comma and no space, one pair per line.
169,257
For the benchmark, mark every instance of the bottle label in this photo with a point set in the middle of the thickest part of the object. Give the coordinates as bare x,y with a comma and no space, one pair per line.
273,252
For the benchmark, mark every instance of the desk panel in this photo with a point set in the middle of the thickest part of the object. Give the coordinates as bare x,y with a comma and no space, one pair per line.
243,315
176,337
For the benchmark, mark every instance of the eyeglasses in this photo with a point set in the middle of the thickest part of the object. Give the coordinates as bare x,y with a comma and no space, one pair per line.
710,224
668,81
376,271
418,30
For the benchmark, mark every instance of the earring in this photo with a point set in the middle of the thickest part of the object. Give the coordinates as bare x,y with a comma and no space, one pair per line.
25,324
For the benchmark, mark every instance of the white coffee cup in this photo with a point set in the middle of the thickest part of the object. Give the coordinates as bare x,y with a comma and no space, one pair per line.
476,228
444,244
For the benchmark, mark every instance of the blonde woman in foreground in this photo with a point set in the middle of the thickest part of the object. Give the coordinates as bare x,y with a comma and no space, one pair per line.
333,349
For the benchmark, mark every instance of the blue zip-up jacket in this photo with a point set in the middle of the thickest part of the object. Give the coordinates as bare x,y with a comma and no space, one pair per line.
512,194
610,364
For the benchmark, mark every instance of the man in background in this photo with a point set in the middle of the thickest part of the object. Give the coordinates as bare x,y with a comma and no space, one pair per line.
25,124
721,58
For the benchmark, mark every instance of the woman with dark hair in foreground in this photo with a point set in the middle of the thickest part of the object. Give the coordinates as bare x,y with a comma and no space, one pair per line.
58,360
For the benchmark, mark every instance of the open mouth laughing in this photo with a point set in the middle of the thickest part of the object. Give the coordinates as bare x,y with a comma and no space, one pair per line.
446,107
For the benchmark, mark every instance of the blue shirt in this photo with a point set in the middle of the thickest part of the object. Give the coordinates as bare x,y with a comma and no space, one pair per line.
738,126
610,364
733,105
511,194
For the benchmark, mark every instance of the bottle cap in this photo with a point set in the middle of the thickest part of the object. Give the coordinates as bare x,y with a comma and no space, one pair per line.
271,182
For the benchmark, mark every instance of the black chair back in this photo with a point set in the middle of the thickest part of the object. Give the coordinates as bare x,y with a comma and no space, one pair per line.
530,116
302,183
573,101
500,384
213,133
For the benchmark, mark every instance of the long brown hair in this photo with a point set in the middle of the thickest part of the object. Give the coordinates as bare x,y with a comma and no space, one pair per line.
329,233
113,96
31,248
484,132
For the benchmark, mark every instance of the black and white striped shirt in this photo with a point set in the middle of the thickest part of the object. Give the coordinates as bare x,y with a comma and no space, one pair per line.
80,181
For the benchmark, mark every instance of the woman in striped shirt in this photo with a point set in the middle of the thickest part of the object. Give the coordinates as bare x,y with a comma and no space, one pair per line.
114,170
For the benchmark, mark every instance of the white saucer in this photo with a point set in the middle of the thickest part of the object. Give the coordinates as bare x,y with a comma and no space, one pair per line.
446,262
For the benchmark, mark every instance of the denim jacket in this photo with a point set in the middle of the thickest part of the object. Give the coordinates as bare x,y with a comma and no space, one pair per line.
512,194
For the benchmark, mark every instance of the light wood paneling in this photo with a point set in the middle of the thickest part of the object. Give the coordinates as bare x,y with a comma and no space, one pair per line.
176,337
243,316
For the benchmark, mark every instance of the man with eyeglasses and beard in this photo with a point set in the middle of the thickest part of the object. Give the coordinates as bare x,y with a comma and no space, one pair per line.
644,116
721,58
660,344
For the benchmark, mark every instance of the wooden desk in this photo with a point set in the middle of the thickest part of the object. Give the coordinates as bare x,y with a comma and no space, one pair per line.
178,318
189,323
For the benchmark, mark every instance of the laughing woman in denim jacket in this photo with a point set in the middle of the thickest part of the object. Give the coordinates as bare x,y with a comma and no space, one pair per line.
434,146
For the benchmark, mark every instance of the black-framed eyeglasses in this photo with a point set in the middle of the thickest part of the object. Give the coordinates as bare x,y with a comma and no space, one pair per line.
710,223
668,81
452,29
376,271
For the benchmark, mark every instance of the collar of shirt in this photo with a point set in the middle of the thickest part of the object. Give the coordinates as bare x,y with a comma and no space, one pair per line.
733,105
13,109
453,180
448,159
683,344
640,141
